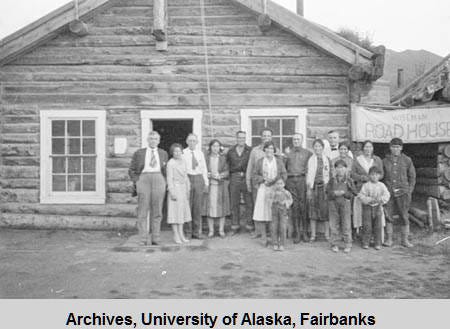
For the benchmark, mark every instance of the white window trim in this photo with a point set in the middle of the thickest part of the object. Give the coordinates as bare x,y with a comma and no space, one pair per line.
47,195
299,113
148,115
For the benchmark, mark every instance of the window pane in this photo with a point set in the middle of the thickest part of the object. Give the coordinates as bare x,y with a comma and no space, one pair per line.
74,165
88,165
88,128
73,127
257,126
74,146
287,141
58,127
276,141
59,183
274,125
256,141
88,182
74,183
88,146
59,165
288,126
58,146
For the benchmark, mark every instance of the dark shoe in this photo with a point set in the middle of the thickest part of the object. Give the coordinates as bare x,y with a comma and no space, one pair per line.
297,240
159,35
199,237
156,243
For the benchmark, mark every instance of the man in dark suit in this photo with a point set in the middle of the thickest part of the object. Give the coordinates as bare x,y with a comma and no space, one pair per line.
147,171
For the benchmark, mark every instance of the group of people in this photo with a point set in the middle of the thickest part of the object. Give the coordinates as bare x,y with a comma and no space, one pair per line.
328,185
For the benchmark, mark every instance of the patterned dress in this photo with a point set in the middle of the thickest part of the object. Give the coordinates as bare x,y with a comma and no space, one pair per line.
218,196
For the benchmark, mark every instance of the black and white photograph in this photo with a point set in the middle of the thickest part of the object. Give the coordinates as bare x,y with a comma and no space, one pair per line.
225,149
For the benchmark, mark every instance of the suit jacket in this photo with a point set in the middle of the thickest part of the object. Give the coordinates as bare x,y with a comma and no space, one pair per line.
258,176
223,166
138,164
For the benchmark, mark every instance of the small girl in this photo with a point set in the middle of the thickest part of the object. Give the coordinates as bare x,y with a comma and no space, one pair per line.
281,200
178,211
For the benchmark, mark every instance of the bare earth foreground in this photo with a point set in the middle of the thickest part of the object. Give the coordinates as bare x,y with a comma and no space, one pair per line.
82,264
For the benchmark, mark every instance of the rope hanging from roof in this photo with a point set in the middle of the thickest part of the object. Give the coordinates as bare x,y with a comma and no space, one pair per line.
205,48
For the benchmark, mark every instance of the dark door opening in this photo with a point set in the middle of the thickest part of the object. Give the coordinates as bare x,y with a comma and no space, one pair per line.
172,131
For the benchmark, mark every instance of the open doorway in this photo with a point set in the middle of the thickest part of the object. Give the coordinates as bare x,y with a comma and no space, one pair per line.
172,131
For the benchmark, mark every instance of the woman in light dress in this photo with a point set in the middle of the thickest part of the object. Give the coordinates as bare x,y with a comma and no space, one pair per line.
218,201
360,175
267,171
178,211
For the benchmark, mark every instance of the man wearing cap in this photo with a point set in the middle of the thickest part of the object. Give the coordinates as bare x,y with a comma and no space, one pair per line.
400,179
237,158
296,164
147,171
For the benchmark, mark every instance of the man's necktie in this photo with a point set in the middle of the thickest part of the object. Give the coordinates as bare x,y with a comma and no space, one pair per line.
194,161
153,161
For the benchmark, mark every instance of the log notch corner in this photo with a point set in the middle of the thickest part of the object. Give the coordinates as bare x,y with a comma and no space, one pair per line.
362,75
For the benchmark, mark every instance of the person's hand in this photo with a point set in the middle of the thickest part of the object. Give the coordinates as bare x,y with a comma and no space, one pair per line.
172,196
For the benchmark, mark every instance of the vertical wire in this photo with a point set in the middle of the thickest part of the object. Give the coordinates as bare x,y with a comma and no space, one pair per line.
205,48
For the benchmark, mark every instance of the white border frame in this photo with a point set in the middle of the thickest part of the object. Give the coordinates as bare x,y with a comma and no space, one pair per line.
49,197
300,124
148,115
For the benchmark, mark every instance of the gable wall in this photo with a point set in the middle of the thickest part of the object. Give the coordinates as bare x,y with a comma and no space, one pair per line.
117,69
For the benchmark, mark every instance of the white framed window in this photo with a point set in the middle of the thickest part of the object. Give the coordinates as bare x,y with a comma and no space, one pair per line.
72,156
283,122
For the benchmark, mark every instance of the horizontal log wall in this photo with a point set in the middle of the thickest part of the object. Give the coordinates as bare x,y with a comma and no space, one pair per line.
117,69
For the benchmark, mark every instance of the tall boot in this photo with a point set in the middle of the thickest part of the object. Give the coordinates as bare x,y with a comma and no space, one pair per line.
222,227
388,242
405,237
210,227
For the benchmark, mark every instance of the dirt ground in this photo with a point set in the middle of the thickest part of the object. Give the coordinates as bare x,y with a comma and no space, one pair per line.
93,264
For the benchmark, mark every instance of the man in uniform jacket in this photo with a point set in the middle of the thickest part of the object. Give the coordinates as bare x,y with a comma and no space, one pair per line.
147,171
400,179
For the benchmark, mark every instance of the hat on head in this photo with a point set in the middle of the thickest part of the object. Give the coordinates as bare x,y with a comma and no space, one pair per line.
396,141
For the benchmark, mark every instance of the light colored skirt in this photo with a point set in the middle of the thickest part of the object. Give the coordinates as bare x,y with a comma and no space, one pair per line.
178,212
263,208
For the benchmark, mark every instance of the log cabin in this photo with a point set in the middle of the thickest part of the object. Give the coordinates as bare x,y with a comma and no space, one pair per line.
430,92
81,87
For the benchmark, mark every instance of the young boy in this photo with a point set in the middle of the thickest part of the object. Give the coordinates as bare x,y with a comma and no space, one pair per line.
340,192
373,195
281,200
